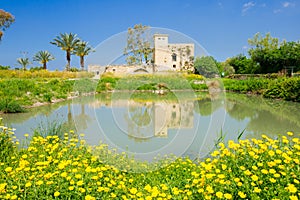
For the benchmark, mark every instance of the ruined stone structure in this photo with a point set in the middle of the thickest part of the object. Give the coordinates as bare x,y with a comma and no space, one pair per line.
172,56
166,57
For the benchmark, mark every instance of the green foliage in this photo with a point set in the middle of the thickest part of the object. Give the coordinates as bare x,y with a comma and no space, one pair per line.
24,62
9,105
7,146
85,85
6,19
286,88
67,42
206,66
4,67
83,49
272,56
242,64
138,45
25,92
43,57
67,168
280,88
50,128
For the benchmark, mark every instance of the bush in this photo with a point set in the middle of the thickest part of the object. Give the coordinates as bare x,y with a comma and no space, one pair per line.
8,105
286,88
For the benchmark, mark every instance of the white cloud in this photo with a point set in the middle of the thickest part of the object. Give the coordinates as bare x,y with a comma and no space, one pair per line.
247,6
284,5
277,11
288,4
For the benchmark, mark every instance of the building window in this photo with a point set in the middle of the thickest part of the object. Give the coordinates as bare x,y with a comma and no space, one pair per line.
114,69
174,66
97,72
174,57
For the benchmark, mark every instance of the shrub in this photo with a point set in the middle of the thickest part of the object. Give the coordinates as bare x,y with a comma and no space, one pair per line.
8,105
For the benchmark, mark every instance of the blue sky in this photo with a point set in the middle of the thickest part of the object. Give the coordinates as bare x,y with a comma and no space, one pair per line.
222,27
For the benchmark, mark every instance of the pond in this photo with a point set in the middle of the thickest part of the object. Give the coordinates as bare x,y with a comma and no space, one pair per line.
146,124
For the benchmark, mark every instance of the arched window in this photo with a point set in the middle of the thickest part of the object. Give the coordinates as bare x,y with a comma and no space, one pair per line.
174,57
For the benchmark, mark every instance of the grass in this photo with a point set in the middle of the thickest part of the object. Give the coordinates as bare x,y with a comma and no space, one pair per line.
67,168
18,93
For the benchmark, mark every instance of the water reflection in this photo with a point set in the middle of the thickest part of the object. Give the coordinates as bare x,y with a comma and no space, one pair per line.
189,126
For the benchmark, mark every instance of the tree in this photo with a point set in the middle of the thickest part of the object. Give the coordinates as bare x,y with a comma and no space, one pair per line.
264,52
272,56
83,49
6,19
23,62
206,66
68,43
242,64
138,45
43,57
290,55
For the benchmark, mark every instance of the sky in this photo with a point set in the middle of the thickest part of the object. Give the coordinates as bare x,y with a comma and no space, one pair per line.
221,27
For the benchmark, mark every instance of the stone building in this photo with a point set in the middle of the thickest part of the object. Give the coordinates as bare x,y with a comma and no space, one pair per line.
166,57
178,56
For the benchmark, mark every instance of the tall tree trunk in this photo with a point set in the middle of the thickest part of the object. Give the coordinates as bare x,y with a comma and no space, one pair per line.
82,62
69,60
45,65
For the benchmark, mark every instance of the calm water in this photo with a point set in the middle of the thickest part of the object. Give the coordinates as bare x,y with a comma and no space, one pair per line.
181,124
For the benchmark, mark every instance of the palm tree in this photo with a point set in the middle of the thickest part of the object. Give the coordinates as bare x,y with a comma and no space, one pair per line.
43,57
68,43
83,49
23,62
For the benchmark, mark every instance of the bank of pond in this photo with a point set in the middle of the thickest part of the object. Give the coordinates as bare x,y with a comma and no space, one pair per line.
19,93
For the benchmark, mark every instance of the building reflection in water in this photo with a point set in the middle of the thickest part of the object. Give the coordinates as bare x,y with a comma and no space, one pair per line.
152,119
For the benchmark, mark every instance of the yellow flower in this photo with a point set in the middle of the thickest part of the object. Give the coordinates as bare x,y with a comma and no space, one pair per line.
242,194
209,189
133,190
24,156
79,183
219,194
8,169
26,135
289,133
56,194
257,190
39,182
291,188
293,197
14,197
254,177
227,196
89,197
28,184
78,176
82,190
64,174
271,153
71,188
272,180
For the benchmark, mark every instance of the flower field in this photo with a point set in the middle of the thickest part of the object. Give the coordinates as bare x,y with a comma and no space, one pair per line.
67,168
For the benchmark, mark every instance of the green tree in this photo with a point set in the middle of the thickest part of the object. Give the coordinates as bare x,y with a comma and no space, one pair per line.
290,55
242,64
68,43
138,45
264,52
43,57
206,66
24,62
83,49
6,19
